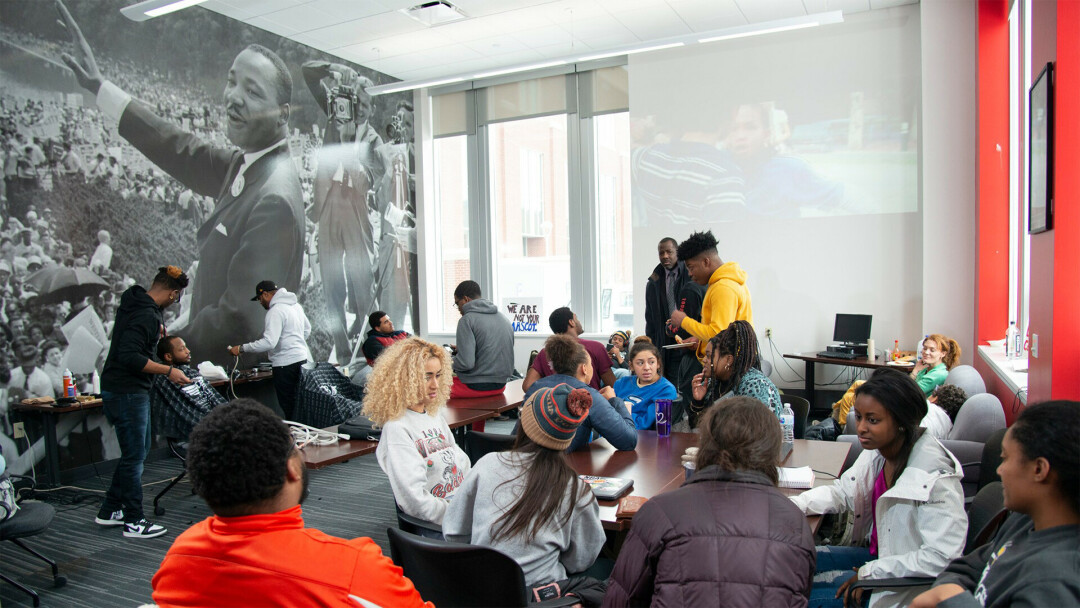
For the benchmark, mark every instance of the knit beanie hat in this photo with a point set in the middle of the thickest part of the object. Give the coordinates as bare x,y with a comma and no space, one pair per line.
551,416
625,335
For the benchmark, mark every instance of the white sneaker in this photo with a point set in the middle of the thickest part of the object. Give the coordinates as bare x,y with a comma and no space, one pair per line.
116,519
143,529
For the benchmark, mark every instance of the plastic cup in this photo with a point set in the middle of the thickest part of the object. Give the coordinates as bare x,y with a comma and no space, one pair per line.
663,417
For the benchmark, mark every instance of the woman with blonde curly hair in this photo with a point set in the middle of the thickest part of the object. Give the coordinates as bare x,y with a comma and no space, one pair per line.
408,387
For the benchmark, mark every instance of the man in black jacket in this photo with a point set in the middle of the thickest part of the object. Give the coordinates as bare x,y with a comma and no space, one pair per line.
661,297
125,390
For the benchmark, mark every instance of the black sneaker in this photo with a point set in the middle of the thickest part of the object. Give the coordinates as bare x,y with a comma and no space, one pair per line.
143,529
116,518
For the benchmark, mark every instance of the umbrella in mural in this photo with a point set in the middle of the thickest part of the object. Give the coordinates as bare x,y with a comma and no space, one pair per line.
61,283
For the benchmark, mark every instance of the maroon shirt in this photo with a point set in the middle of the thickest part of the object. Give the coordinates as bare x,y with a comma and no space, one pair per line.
601,362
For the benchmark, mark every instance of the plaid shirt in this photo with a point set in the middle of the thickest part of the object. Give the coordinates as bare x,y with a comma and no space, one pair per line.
175,409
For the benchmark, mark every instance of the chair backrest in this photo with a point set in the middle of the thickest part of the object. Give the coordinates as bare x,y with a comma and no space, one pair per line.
766,367
991,458
969,453
801,407
850,427
478,444
413,525
978,418
988,503
967,378
456,574
853,452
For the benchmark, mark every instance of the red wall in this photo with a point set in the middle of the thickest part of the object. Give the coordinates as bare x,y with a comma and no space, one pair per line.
992,257
1065,375
1055,255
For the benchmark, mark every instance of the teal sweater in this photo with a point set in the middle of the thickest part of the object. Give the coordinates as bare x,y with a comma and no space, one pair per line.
929,378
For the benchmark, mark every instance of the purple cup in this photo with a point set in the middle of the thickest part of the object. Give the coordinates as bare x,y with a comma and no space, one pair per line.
663,417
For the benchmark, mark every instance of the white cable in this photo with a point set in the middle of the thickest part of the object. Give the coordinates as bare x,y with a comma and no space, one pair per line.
232,376
304,435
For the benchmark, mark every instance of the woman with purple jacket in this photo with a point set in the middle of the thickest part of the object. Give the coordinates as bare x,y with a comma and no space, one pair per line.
727,536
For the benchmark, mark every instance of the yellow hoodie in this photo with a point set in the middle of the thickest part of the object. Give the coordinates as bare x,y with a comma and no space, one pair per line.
727,300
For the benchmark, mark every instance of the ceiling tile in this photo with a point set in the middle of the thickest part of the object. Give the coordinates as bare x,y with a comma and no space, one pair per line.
261,7
403,44
876,4
543,36
483,27
347,10
604,26
363,31
653,23
303,18
497,45
707,15
219,6
768,10
272,26
848,6
483,8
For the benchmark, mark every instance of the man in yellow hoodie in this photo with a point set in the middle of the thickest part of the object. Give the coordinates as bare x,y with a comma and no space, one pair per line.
727,298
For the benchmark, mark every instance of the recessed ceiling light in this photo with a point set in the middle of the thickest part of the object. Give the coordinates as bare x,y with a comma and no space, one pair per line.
155,8
435,12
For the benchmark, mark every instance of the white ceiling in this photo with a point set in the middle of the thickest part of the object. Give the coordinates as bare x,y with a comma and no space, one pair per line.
502,33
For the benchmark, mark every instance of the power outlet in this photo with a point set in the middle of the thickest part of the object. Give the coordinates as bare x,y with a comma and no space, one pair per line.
1035,345
20,432
768,332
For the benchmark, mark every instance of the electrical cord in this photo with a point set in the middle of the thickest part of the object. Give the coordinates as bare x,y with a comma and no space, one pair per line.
304,435
232,376
772,359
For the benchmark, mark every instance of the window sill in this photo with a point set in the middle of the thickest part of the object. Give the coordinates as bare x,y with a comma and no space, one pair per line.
1006,369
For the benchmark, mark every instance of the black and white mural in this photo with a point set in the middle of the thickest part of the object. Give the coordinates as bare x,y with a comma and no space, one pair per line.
319,198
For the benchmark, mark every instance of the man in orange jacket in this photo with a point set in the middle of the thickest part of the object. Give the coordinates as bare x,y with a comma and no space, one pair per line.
255,550
727,298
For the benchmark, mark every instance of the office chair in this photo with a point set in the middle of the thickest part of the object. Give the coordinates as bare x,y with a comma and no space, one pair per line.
457,574
801,407
414,525
967,378
31,519
478,444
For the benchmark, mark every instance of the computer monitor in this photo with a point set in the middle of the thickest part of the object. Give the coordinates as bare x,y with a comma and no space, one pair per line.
852,329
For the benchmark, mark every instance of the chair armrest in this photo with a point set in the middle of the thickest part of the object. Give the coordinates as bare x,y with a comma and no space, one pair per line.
558,602
419,523
887,583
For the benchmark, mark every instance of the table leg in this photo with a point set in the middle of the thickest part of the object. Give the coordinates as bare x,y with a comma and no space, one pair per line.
52,449
809,375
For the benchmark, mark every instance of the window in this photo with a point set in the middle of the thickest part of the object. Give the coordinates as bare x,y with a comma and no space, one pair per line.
452,219
1020,77
532,195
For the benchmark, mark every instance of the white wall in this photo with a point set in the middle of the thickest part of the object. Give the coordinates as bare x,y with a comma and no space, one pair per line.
949,180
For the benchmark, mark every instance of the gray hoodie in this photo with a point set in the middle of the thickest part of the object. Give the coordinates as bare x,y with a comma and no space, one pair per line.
485,344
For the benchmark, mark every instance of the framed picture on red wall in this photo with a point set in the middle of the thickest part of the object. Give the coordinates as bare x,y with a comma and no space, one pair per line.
1041,152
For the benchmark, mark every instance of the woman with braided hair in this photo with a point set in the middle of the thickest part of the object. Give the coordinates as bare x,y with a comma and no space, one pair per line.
732,368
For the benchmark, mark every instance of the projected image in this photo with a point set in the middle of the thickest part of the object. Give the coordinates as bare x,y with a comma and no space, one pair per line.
786,126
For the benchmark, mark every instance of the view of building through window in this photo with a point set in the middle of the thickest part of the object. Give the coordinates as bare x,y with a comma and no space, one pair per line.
452,232
612,145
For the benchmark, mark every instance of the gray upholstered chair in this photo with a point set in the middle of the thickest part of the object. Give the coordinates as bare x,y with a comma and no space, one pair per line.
978,418
967,378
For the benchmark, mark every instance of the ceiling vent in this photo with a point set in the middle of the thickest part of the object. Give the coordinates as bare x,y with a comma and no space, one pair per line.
436,12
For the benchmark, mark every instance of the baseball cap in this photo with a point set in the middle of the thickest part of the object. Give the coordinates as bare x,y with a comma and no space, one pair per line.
263,287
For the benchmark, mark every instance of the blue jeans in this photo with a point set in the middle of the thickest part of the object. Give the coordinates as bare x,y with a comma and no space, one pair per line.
840,561
129,413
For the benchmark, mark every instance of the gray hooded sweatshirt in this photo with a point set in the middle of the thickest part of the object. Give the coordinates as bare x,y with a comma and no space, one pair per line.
485,344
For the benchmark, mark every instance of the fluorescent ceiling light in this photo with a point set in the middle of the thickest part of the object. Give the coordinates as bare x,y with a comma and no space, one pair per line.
631,51
156,8
771,30
521,68
397,87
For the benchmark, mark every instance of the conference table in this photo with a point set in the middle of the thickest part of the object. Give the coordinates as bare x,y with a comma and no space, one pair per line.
320,456
812,358
656,467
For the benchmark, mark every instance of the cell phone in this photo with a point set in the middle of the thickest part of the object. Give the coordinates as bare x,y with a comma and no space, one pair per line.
609,346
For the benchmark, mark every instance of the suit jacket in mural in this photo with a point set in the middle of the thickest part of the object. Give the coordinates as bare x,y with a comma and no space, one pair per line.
254,236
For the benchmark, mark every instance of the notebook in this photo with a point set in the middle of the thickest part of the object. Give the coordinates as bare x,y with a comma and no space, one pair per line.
796,477
607,488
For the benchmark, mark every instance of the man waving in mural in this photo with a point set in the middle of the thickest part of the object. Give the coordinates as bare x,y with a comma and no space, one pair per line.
257,226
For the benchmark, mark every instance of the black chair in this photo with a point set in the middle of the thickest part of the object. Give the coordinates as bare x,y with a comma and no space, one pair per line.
801,407
986,514
456,574
991,458
179,450
413,525
478,444
31,519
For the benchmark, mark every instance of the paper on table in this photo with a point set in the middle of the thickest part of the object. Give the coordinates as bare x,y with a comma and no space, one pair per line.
82,352
89,320
796,477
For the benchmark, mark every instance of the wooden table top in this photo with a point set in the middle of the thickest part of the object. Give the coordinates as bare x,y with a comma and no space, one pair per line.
459,416
54,409
656,466
856,362
509,399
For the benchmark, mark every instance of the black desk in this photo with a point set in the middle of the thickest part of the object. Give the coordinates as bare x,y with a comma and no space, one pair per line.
812,358
49,416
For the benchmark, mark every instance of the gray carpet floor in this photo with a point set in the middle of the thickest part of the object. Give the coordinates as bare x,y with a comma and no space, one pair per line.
103,568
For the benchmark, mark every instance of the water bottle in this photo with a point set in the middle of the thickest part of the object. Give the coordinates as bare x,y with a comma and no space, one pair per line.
787,422
919,347
69,384
1012,337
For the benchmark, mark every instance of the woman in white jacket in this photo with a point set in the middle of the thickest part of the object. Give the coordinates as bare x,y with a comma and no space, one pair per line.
904,491
407,390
